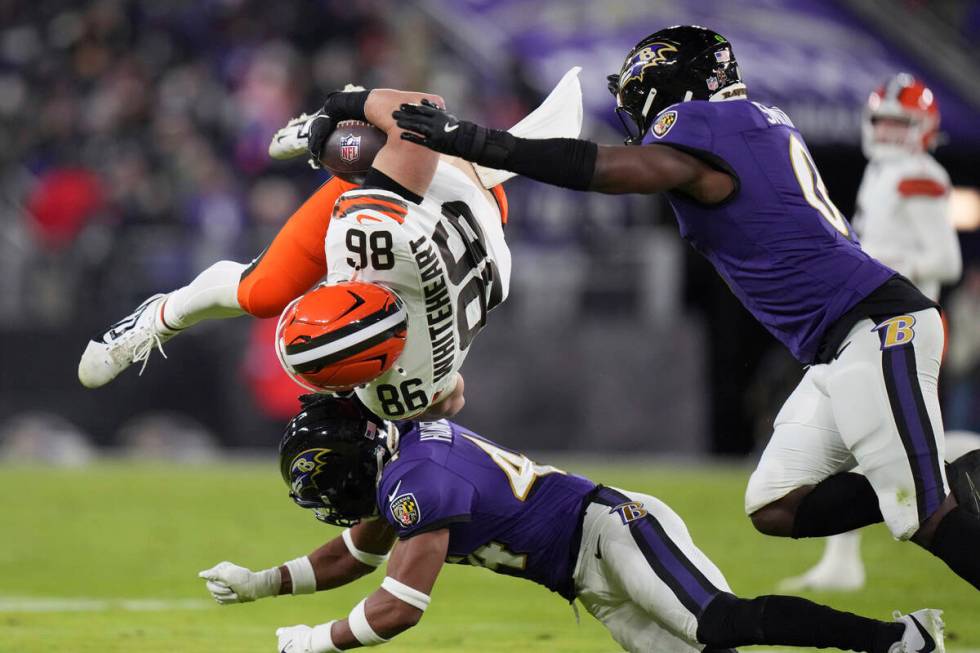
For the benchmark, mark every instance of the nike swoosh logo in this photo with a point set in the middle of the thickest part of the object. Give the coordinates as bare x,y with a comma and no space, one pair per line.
394,493
929,644
280,137
598,551
837,355
446,128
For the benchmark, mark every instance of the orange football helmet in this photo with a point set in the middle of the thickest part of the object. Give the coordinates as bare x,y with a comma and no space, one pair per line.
338,336
901,116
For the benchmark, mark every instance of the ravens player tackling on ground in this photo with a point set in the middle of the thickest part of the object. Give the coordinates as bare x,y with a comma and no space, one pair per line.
441,493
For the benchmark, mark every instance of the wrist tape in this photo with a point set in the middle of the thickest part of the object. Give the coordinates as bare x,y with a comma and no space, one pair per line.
342,105
406,594
364,557
267,582
320,639
360,627
302,574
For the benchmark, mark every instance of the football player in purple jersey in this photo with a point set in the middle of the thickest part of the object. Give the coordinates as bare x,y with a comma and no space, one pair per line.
436,492
748,196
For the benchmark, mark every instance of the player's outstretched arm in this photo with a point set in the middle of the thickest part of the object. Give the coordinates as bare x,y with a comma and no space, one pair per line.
568,162
397,606
358,551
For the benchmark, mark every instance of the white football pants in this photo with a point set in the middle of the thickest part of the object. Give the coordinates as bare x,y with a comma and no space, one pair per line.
640,574
874,406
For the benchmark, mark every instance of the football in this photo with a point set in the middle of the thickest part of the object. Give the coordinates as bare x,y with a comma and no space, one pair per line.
351,149
339,336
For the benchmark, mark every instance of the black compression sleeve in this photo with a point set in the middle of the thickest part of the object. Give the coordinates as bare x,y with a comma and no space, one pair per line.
567,162
729,621
837,504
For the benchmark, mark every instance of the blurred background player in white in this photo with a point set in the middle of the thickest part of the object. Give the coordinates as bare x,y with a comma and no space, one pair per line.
903,221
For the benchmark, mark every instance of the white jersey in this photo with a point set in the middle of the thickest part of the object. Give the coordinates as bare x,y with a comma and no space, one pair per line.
903,220
446,259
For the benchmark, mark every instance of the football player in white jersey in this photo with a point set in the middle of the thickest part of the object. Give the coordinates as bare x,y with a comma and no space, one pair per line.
450,231
443,254
903,220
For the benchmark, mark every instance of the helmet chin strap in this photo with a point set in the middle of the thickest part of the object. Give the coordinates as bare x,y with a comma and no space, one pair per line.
389,449
738,91
392,438
649,103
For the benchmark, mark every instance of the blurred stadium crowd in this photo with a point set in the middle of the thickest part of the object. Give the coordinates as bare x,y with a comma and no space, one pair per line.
135,136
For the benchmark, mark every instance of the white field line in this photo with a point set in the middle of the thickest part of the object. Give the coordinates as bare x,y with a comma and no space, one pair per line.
50,604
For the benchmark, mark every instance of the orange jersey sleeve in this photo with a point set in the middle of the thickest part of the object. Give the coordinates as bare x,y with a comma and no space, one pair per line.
295,259
501,197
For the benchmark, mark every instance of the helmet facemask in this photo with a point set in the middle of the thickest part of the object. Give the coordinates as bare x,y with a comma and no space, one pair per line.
331,458
674,65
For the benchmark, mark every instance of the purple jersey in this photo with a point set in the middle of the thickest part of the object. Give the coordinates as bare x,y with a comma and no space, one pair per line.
779,242
503,511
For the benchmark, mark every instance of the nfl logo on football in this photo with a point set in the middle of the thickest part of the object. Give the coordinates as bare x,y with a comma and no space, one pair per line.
350,148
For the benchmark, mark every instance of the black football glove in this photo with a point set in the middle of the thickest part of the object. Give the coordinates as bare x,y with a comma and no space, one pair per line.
338,107
319,130
432,127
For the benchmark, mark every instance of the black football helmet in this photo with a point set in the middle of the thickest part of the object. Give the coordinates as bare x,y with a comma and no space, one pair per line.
331,456
676,64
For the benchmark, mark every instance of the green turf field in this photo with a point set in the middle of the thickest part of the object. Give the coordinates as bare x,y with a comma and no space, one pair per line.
118,531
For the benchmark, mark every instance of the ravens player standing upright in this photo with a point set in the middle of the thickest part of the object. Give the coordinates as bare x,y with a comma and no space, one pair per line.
748,196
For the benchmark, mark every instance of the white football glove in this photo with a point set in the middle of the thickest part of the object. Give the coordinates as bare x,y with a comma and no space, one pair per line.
303,639
292,140
229,583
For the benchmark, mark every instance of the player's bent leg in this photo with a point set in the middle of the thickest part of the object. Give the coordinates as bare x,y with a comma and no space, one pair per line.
880,389
805,448
638,566
635,550
884,392
291,265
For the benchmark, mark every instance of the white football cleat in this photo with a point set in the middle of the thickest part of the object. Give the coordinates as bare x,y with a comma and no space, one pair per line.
923,632
128,341
840,568
291,141
826,578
